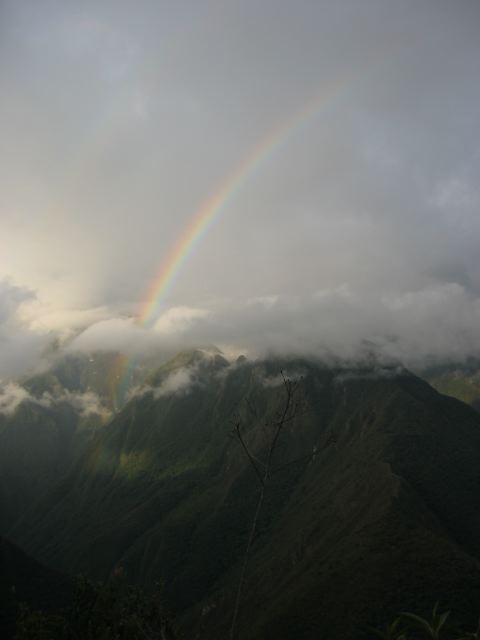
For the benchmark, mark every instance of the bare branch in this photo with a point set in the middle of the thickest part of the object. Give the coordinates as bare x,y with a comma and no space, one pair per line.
253,460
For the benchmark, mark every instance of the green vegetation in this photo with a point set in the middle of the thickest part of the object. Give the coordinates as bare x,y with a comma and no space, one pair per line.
410,626
460,381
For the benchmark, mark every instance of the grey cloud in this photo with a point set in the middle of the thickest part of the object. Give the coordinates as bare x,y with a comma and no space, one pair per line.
120,121
436,323
19,347
279,380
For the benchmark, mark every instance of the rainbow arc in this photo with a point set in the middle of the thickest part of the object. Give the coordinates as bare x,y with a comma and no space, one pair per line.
212,208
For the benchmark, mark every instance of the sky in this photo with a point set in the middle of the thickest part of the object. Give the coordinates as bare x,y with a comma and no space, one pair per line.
357,229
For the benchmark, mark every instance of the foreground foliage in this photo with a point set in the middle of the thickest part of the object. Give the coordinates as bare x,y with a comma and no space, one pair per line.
115,611
410,626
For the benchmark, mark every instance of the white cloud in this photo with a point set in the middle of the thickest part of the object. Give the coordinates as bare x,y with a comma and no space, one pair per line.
44,318
436,322
179,319
279,379
113,334
86,404
179,382
12,395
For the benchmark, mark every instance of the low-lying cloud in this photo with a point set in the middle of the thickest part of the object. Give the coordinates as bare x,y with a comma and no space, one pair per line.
270,382
86,404
179,382
12,395
439,323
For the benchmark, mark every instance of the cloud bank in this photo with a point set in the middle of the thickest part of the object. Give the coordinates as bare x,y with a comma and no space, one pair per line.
436,324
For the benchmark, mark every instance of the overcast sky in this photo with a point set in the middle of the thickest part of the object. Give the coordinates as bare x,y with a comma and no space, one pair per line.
119,119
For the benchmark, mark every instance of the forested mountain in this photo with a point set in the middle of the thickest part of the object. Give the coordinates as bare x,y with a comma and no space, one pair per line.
371,505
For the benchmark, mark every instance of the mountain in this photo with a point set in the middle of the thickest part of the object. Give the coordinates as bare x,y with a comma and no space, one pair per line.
23,580
38,445
79,373
372,506
46,421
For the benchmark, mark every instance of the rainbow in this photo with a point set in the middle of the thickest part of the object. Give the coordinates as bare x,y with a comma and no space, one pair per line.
210,211
215,205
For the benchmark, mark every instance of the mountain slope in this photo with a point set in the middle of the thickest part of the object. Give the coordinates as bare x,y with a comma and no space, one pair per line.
46,422
37,447
373,506
78,372
23,580
461,381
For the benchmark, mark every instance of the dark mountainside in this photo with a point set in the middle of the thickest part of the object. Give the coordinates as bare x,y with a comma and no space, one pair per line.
37,447
373,506
42,438
23,580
